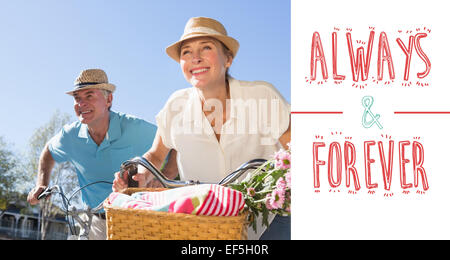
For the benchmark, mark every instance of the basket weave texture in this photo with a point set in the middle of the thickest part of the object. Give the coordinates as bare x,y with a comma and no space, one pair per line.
135,224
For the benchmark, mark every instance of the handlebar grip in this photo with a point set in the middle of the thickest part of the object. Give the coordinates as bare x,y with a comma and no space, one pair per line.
131,173
40,196
132,170
44,194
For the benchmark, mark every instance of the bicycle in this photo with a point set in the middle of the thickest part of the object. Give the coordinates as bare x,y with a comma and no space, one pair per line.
72,213
131,166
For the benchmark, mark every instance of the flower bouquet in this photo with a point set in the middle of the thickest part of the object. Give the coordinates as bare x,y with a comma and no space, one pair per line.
268,188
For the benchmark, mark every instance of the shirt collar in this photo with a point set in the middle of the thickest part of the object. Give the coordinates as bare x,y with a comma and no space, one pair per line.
193,109
114,130
83,132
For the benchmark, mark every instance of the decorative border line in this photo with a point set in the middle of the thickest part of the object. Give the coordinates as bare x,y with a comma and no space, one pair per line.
421,112
316,112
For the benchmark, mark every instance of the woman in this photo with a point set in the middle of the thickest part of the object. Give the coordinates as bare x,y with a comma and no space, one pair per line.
219,123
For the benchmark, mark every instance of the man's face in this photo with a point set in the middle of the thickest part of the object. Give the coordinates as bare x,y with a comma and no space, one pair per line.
91,105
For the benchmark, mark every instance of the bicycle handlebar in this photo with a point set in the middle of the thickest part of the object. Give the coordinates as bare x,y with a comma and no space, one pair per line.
48,191
131,167
131,164
71,211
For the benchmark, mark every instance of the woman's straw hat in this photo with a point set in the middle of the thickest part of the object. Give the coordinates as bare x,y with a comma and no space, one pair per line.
201,27
92,78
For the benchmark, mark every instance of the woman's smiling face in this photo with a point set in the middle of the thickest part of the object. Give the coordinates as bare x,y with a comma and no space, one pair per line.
204,61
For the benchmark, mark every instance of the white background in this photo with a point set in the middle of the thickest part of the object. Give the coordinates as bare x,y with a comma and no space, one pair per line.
333,215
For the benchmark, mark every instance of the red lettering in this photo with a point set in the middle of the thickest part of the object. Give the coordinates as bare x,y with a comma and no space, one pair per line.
384,54
403,161
335,74
408,53
317,54
387,171
422,56
349,161
336,147
317,163
367,162
334,166
360,60
418,157
360,66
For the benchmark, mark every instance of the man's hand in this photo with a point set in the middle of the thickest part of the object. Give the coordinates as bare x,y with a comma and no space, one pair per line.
34,193
46,164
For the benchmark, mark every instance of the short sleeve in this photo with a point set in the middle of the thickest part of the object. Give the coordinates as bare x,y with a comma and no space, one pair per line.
163,122
57,147
168,118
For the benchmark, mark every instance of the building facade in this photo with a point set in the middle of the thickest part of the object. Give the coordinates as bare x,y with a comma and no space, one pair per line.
15,225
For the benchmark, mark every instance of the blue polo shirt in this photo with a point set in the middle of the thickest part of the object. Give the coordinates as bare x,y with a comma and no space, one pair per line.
127,137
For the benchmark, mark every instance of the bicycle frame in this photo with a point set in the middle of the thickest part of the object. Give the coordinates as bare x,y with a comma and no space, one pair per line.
72,212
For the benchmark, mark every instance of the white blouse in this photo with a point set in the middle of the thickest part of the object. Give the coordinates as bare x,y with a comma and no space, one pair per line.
259,115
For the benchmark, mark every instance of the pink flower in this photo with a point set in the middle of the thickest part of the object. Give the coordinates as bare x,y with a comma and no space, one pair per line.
287,176
275,200
268,205
281,184
251,192
283,159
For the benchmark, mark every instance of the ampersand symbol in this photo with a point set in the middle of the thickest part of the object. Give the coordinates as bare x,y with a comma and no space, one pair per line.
367,103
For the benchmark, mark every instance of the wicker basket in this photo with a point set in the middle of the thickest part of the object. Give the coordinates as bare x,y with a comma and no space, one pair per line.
133,224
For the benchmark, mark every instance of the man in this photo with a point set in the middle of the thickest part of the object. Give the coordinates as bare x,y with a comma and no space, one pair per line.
96,145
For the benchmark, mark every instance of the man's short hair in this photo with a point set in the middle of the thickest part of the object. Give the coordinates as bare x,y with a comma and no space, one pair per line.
106,95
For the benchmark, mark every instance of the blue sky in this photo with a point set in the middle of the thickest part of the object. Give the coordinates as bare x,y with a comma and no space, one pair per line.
45,44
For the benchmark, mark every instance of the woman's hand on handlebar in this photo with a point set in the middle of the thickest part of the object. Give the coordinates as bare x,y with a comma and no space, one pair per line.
120,184
145,179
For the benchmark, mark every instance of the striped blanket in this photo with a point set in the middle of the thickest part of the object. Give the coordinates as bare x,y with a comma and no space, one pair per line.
204,199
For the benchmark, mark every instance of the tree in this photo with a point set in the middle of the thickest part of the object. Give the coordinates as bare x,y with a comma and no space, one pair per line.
63,174
8,176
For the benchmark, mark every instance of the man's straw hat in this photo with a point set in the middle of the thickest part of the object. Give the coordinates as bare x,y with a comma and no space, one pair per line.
92,78
201,27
